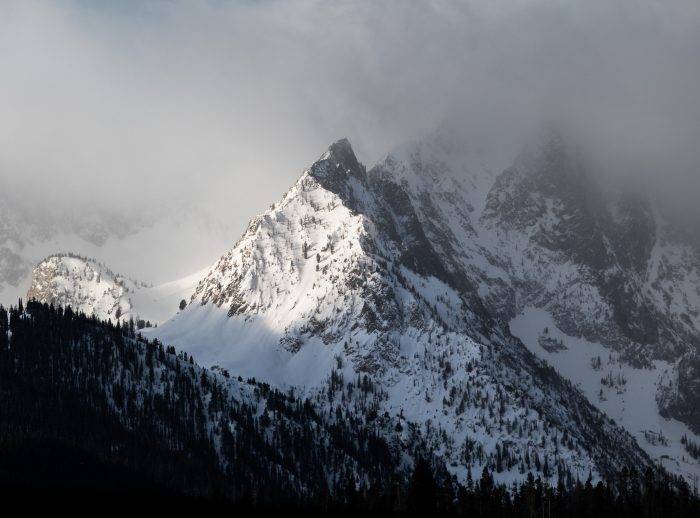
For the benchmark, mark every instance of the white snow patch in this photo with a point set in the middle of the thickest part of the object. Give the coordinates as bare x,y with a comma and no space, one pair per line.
632,406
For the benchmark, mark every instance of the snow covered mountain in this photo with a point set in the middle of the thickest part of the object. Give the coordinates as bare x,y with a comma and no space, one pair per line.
90,287
360,274
452,288
609,275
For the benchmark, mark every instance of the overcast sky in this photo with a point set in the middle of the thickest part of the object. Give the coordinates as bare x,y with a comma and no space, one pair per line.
228,100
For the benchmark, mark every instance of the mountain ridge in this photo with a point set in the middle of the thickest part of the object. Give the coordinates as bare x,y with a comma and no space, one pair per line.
342,271
415,273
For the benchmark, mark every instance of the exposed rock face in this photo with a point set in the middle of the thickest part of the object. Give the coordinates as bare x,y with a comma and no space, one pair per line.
622,274
609,268
548,204
680,397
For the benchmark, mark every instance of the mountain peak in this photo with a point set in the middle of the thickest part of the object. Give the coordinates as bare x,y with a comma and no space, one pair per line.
338,161
341,146
336,167
84,284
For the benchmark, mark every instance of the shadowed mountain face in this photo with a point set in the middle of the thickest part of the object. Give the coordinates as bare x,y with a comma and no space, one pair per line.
609,267
94,413
549,201
607,264
623,274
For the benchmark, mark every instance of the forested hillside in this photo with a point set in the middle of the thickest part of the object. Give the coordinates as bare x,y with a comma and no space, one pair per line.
69,383
89,408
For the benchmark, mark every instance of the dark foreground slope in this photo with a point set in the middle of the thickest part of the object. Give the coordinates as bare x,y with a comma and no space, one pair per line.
91,413
88,405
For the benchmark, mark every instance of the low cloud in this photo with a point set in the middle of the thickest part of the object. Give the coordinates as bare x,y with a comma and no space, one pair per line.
166,102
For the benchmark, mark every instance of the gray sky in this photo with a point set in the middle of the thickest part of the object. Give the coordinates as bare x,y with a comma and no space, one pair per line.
228,101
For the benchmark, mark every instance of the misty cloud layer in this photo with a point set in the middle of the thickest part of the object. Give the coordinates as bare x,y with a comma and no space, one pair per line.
163,102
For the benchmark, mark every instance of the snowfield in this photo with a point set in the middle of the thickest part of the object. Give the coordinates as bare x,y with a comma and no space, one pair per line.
632,405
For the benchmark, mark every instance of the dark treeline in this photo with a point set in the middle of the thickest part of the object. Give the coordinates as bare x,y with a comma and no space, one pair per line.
88,408
71,382
629,495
